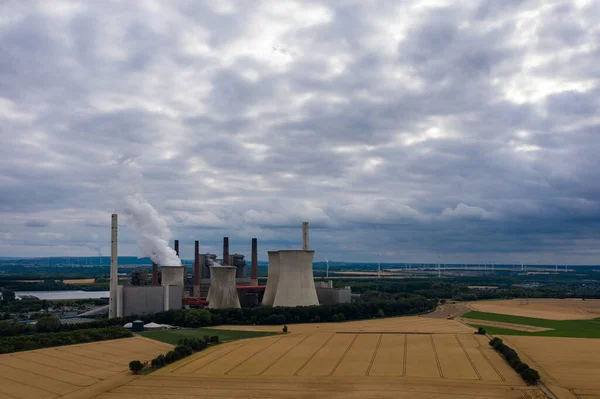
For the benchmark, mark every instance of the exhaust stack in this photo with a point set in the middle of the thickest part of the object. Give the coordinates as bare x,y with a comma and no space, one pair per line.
114,266
225,251
154,274
254,275
196,271
176,247
305,236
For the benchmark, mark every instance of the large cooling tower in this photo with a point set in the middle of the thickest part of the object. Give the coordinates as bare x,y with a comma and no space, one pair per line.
295,285
223,293
272,279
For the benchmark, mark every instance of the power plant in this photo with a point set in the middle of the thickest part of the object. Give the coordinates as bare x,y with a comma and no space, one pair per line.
290,281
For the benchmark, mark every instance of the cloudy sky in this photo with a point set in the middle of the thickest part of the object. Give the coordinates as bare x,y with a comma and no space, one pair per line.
467,130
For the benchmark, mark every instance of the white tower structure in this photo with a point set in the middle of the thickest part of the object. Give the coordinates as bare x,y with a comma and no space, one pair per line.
114,265
223,293
272,279
291,281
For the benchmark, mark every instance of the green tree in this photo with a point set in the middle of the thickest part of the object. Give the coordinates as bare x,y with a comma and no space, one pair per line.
198,318
8,295
136,366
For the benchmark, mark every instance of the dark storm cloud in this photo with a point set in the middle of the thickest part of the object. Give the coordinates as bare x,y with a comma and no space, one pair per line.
467,130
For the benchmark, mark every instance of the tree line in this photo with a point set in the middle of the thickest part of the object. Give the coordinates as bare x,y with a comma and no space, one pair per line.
529,375
46,340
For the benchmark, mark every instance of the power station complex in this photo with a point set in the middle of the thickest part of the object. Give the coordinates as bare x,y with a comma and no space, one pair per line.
290,282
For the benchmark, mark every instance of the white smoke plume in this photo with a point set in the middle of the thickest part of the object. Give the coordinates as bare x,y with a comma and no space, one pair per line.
153,232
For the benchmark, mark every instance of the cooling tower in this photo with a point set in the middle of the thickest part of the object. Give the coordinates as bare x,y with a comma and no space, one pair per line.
296,283
172,275
272,279
223,293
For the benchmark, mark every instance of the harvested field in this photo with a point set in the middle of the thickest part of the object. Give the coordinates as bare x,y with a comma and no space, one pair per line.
408,324
569,366
337,365
552,309
510,326
80,281
330,354
161,387
74,370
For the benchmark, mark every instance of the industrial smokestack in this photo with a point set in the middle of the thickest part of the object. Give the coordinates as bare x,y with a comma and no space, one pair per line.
196,271
114,266
254,275
154,274
305,236
225,251
176,248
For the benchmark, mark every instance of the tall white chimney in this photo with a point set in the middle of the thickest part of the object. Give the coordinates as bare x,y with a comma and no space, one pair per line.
114,265
305,236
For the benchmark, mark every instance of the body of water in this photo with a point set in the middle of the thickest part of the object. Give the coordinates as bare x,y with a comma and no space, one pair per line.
67,294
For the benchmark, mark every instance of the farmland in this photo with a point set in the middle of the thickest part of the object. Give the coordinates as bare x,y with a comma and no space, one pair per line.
551,309
569,366
80,371
415,357
173,336
551,328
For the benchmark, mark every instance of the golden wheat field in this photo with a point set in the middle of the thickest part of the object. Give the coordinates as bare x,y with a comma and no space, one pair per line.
569,366
407,357
75,371
552,309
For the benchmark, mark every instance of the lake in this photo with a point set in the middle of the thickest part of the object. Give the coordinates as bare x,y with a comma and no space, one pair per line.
67,294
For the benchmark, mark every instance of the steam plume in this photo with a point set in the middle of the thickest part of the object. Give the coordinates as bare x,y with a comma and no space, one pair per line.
153,232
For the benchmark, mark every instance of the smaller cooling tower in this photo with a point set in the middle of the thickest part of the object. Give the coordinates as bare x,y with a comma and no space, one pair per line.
222,293
172,275
273,278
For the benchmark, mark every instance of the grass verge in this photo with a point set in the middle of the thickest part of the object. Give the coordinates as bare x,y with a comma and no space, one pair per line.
560,328
173,336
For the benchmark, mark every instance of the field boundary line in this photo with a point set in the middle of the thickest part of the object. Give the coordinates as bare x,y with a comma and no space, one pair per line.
31,386
523,353
195,358
284,353
487,359
252,355
54,367
313,355
343,356
76,362
572,390
91,358
374,355
206,364
405,355
468,357
437,359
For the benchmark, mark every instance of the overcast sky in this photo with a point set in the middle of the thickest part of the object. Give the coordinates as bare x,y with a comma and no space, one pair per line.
467,130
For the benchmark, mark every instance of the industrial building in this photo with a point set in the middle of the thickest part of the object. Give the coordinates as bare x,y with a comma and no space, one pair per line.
290,282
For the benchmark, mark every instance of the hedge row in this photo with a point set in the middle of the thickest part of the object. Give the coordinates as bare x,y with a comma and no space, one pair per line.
184,348
529,375
46,340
